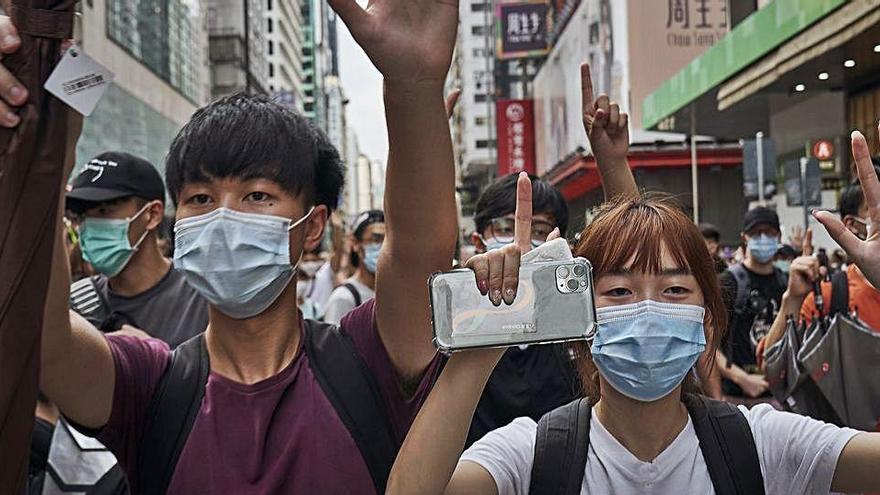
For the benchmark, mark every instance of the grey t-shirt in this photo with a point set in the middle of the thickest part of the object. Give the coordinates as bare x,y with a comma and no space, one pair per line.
171,310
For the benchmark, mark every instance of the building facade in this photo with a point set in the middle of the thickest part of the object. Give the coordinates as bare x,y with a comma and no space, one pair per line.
238,35
157,51
284,50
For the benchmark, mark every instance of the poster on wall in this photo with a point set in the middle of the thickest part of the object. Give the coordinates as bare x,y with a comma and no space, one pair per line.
516,136
521,29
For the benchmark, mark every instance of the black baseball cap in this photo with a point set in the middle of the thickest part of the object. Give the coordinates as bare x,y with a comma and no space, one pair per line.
115,175
366,219
760,215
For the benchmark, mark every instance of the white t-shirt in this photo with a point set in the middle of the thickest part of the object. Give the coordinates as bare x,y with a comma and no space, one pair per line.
342,300
322,285
798,455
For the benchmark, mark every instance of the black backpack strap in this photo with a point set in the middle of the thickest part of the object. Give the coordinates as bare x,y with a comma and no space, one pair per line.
354,293
354,394
561,445
727,444
90,302
742,286
171,415
839,293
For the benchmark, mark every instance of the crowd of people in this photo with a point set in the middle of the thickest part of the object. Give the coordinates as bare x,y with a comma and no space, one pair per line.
260,343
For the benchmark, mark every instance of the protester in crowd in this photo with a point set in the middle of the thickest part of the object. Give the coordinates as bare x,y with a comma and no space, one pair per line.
318,271
753,291
529,380
838,260
120,201
368,234
253,183
799,300
712,236
641,428
784,257
79,269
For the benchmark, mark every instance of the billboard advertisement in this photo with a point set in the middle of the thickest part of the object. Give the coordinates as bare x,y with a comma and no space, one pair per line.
521,29
516,136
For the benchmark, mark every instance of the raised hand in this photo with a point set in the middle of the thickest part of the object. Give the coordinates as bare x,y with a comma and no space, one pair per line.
865,254
408,40
452,101
607,127
796,236
497,271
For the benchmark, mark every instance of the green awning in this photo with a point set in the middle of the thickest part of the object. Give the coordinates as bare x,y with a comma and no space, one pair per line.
753,38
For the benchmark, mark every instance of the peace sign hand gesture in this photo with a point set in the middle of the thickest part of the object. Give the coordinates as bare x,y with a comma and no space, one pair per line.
865,254
497,272
409,41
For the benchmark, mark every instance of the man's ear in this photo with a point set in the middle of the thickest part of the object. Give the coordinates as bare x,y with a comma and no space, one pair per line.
477,241
314,228
156,212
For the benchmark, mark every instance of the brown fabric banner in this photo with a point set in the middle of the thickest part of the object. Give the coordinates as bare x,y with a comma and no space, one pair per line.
31,169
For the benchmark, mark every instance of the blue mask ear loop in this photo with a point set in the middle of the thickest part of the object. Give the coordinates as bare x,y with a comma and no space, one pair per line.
146,231
295,225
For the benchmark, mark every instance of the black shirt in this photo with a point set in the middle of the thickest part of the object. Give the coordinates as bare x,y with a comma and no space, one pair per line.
759,310
526,382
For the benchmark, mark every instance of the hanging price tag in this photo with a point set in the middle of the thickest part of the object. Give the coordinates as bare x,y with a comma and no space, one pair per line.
79,81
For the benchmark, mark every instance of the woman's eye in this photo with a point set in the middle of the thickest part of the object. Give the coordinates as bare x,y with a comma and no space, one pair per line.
678,290
619,292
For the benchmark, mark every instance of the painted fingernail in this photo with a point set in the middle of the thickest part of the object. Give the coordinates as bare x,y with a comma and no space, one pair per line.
496,296
484,286
11,118
17,93
509,294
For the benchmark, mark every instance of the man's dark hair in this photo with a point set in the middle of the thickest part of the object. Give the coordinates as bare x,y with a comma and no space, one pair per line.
247,137
710,232
499,199
851,199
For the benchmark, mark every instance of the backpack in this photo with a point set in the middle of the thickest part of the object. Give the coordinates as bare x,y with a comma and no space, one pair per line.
742,284
92,304
354,293
339,370
724,434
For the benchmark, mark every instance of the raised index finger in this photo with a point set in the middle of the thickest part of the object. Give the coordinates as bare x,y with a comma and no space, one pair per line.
867,175
522,230
586,90
807,245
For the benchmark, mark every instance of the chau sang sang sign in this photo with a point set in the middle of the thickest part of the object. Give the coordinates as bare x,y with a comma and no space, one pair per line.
522,29
516,136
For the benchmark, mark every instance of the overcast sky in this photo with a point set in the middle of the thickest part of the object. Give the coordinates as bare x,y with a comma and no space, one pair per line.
363,87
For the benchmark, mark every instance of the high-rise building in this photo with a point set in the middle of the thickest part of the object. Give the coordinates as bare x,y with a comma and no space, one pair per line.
473,122
284,49
336,122
157,50
318,57
238,32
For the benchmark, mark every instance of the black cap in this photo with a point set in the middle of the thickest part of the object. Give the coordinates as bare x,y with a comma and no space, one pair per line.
366,219
760,215
788,251
710,231
115,175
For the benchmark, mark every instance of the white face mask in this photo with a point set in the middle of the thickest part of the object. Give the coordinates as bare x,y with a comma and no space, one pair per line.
310,268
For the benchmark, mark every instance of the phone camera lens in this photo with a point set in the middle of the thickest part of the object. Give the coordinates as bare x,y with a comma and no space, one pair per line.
580,270
572,284
562,272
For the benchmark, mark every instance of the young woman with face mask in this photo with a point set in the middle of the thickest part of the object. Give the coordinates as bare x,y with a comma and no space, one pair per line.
659,307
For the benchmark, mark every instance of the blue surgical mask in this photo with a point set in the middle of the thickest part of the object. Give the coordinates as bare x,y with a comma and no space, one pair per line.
645,350
371,256
783,265
105,245
763,248
492,243
239,262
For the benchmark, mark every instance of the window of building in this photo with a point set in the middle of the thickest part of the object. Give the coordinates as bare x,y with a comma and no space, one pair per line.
479,30
480,121
479,52
271,70
480,98
485,143
479,7
269,26
271,47
269,5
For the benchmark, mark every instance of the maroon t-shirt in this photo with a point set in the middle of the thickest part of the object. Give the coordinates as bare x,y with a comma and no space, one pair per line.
278,436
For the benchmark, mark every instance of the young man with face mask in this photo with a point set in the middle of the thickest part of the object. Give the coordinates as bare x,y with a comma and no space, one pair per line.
369,234
120,201
753,293
260,407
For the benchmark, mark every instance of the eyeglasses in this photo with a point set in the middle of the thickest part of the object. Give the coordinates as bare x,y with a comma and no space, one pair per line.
503,228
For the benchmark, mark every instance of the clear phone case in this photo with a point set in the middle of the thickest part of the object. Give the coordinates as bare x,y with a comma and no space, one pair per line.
554,303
